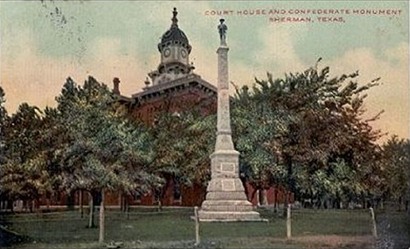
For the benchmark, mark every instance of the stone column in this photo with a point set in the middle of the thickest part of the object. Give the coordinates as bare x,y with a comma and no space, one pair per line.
225,199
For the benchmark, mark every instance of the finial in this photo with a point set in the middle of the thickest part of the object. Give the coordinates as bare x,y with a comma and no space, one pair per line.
174,17
222,28
146,81
116,82
192,67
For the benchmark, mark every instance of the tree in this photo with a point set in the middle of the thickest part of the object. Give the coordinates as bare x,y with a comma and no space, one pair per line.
55,136
396,165
304,125
24,175
106,152
255,124
182,143
3,121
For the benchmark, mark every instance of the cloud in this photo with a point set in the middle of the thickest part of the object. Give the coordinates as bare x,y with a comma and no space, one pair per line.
392,95
108,62
278,54
28,77
37,79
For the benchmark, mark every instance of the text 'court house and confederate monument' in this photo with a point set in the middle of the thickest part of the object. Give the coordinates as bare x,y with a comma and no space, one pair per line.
225,199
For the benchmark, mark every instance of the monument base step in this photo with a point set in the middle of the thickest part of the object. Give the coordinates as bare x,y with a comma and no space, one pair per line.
227,206
226,195
214,216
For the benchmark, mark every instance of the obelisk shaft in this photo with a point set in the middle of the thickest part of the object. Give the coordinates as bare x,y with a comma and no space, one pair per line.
224,138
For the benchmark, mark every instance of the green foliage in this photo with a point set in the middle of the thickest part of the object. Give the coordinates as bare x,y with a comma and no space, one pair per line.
255,124
338,179
182,144
306,132
3,121
396,168
25,181
3,111
24,174
104,150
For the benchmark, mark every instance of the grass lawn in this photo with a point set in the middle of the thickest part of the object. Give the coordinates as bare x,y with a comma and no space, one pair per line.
173,228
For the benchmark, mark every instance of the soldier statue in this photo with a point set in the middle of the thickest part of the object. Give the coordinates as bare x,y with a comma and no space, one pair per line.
222,31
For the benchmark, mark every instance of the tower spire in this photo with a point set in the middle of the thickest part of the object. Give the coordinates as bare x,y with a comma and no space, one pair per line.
174,18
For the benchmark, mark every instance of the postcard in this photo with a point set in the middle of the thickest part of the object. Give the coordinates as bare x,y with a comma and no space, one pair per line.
173,55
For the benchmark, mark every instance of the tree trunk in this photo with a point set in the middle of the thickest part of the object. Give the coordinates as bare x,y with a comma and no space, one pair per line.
159,196
80,202
70,200
102,217
159,204
37,205
290,181
252,194
400,202
91,211
243,180
10,205
262,197
275,205
127,208
121,201
30,205
48,203
285,205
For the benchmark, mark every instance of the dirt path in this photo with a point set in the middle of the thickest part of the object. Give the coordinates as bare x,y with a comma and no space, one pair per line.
393,231
336,241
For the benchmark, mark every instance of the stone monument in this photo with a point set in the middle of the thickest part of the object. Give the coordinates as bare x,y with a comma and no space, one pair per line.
225,199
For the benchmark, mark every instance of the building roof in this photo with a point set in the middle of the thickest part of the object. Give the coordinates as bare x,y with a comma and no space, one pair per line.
192,80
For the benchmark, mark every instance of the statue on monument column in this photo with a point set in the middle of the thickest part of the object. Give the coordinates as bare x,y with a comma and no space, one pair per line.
222,31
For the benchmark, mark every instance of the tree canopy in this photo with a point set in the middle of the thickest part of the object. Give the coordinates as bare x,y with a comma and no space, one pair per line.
104,150
306,126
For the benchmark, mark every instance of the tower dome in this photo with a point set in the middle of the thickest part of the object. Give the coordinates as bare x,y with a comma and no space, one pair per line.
174,36
174,48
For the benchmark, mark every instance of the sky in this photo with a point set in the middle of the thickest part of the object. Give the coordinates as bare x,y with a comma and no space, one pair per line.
44,42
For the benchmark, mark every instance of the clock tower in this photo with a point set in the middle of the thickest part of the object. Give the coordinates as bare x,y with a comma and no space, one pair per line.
175,49
173,86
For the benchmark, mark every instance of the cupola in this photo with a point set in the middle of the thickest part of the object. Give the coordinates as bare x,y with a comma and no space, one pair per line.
174,48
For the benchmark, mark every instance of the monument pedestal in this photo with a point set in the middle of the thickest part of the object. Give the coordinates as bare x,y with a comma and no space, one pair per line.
225,199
